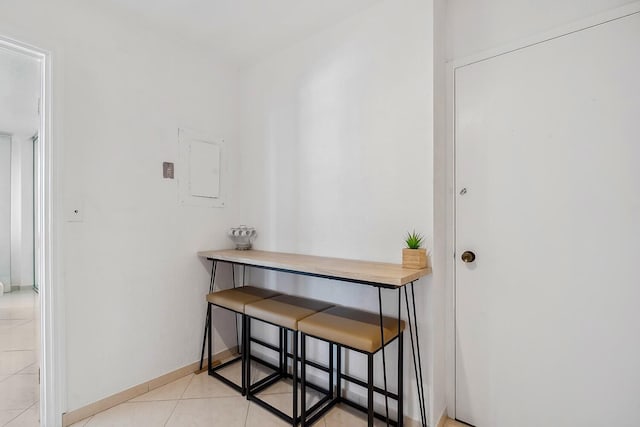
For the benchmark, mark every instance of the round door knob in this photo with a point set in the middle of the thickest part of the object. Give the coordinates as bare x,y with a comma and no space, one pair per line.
468,256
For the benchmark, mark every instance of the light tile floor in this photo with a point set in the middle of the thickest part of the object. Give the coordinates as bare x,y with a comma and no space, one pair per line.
19,390
201,400
195,400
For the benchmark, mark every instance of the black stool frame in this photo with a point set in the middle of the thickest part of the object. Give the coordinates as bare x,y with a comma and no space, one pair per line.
242,357
282,372
369,384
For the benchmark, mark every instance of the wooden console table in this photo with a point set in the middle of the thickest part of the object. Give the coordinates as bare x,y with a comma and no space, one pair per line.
378,274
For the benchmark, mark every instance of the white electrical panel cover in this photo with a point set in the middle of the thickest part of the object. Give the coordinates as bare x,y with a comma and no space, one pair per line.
200,170
204,169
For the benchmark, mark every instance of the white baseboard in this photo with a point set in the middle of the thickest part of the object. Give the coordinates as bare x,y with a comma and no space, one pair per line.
7,289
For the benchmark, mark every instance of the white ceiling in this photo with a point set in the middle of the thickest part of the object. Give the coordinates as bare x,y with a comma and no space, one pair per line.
244,30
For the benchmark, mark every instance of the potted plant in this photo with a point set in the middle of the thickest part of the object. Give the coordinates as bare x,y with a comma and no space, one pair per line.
414,256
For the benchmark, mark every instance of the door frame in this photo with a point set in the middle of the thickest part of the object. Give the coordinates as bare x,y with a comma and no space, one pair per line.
450,183
52,378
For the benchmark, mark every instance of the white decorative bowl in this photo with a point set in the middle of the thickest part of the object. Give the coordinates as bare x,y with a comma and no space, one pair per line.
242,236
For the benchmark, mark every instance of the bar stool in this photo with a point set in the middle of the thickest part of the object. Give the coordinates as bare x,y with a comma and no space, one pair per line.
359,331
284,311
234,300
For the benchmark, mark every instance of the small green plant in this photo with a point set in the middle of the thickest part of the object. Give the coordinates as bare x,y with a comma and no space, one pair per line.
413,240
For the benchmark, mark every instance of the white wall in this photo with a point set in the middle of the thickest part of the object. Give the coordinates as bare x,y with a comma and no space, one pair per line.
474,26
19,94
26,202
337,142
5,211
131,286
16,210
22,209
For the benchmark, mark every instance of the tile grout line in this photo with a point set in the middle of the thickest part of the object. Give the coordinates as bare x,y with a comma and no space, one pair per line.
179,399
185,389
16,417
172,412
246,415
151,401
196,398
13,418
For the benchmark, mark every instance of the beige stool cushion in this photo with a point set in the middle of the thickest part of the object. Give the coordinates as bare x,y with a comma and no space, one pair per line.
285,310
350,327
236,299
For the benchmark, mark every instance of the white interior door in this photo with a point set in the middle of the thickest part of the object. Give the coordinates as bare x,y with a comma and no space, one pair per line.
548,150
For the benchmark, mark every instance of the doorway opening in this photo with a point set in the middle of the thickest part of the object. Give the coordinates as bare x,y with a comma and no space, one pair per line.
32,378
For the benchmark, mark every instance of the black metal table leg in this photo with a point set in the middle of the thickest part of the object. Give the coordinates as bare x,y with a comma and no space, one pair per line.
235,317
415,318
247,353
303,379
330,367
400,363
370,390
286,350
233,275
207,320
338,371
384,360
415,350
243,355
281,356
209,345
295,378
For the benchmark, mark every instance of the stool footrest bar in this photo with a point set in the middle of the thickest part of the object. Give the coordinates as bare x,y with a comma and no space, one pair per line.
265,363
227,363
226,381
266,382
317,366
317,413
213,371
364,384
265,344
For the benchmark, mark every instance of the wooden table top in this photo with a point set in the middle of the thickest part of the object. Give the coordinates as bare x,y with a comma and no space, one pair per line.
374,273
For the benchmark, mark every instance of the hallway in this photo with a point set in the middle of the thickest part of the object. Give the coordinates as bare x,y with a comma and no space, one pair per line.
19,391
